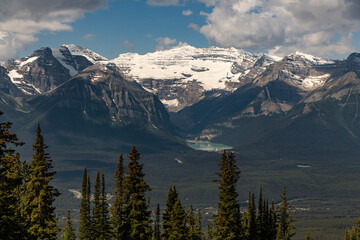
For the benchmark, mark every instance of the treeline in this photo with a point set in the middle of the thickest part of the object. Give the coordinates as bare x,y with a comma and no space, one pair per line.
27,197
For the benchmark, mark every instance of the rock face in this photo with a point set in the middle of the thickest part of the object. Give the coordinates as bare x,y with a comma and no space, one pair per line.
102,92
185,75
47,68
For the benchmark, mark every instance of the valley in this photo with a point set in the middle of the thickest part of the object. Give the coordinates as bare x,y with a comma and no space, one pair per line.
291,121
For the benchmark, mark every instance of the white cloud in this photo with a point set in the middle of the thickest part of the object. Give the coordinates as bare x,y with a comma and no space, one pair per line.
187,12
163,2
21,20
165,43
320,27
129,45
194,26
88,36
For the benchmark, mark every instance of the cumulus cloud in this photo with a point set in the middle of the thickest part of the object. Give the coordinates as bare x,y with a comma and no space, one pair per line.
187,12
129,45
320,27
194,26
21,20
163,2
165,43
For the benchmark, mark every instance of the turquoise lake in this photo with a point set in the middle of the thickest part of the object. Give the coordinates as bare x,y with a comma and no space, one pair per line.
207,146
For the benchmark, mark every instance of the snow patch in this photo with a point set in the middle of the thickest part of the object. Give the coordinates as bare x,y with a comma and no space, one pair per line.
60,57
315,81
13,75
80,51
30,60
172,102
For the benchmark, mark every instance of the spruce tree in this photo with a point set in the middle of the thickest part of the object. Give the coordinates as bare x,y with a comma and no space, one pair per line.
104,210
261,222
119,221
272,222
11,179
97,213
85,215
39,195
68,231
136,206
198,234
210,231
157,231
252,226
178,228
194,225
228,218
172,197
286,220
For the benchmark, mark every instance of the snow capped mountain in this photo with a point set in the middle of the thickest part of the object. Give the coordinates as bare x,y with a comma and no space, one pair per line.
47,68
171,73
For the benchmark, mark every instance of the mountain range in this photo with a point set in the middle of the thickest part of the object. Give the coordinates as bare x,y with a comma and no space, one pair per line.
223,95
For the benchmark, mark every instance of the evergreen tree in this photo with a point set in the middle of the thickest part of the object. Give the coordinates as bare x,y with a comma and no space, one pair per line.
272,222
98,228
11,179
261,222
251,221
347,234
39,194
210,231
104,210
178,228
85,215
194,225
157,231
172,197
135,189
198,231
68,231
119,222
228,219
286,220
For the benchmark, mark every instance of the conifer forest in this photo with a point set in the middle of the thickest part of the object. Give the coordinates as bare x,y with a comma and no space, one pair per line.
27,208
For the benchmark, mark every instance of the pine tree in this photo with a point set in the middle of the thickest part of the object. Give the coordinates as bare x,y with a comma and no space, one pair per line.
198,231
157,231
210,231
120,225
251,228
172,197
261,228
228,219
178,228
11,179
68,231
39,195
194,225
85,215
135,189
272,222
98,230
286,220
104,210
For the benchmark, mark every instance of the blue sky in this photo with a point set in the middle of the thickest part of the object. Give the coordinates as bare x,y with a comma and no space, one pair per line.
328,28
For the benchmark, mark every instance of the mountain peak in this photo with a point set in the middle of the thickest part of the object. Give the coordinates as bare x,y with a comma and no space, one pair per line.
81,51
309,58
